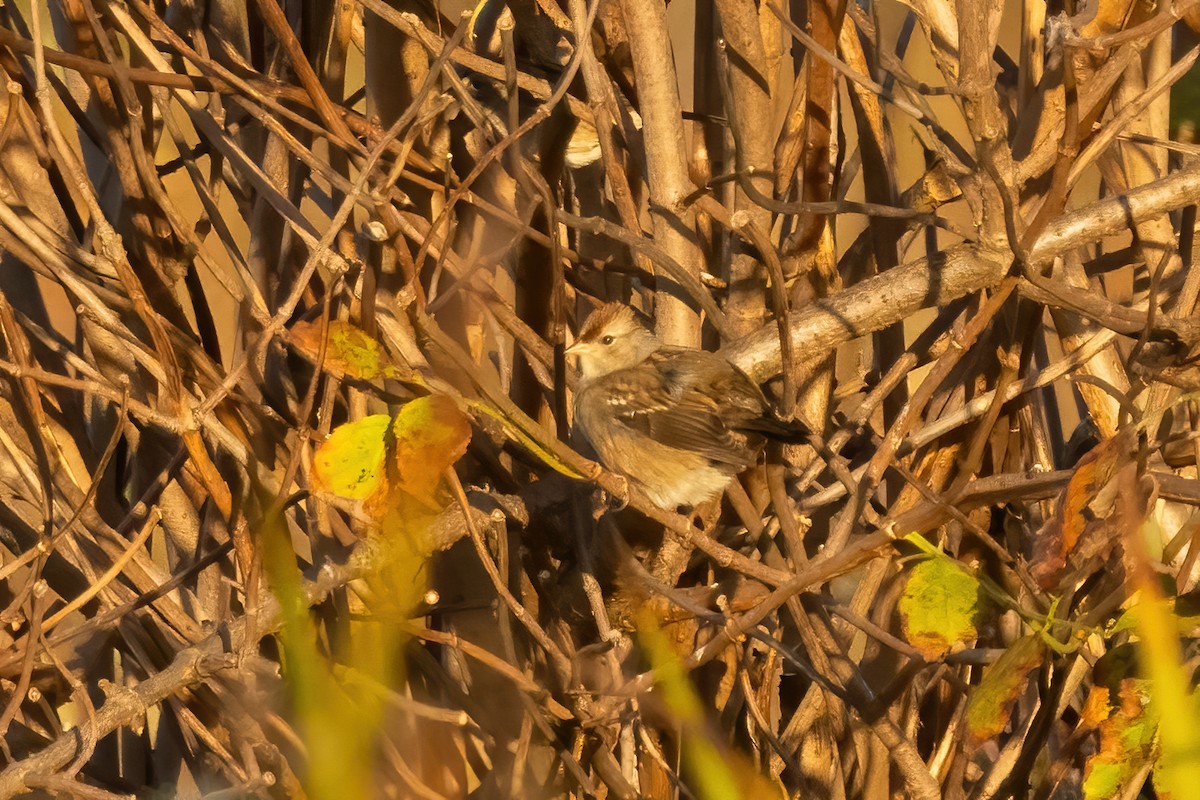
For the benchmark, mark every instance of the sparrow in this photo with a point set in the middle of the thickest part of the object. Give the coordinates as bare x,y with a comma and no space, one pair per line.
678,422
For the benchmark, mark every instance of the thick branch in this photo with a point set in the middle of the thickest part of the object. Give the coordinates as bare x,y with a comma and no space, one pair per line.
666,160
750,103
889,298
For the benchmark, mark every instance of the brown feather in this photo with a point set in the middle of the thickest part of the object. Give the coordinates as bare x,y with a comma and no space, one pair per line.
610,315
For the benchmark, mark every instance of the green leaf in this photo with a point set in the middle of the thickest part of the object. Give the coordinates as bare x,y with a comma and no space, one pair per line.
1183,610
1103,780
939,606
1173,703
350,462
716,772
991,703
339,731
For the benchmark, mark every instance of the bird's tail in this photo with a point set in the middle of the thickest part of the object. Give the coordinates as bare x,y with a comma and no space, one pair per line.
785,431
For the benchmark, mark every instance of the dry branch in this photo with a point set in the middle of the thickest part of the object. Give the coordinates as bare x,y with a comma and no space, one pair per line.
230,242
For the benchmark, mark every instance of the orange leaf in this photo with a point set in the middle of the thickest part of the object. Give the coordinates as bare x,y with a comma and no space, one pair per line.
1095,708
431,435
427,437
1126,743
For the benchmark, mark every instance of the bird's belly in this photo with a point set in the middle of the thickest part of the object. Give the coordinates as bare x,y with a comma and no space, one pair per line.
670,477
692,488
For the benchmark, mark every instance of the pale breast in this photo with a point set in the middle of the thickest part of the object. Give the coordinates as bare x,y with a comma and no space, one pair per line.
670,477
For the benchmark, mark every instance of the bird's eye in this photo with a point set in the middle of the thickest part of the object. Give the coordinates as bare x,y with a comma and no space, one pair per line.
608,340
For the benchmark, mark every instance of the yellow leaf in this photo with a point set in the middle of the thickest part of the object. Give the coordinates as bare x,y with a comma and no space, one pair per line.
350,462
939,606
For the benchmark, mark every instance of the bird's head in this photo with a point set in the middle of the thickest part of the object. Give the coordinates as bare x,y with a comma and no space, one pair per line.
610,339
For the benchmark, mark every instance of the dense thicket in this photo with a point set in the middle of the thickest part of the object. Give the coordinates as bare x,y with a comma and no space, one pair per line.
288,499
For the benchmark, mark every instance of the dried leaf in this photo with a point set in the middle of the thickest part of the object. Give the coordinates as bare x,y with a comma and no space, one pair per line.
1082,532
939,607
349,351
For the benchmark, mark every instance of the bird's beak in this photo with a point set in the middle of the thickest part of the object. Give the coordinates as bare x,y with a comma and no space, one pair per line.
578,348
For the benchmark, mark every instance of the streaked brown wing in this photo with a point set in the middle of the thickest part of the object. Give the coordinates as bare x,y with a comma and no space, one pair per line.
696,427
685,370
667,400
